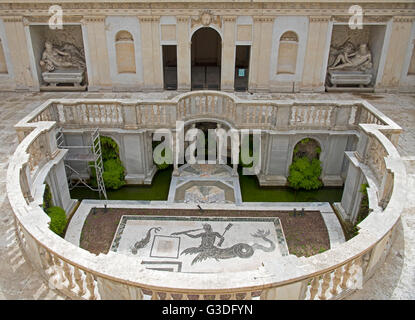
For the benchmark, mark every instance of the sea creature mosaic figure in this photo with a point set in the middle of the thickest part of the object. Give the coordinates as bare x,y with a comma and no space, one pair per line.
143,242
208,249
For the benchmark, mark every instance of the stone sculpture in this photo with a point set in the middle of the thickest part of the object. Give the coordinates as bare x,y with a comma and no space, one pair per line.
350,66
360,60
68,56
62,65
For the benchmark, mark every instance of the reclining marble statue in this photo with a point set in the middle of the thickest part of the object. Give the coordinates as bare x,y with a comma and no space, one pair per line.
351,66
62,65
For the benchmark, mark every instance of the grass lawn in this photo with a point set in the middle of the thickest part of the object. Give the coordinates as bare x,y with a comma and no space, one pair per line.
159,190
252,192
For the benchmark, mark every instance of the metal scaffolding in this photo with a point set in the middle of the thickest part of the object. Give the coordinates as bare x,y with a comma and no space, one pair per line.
89,153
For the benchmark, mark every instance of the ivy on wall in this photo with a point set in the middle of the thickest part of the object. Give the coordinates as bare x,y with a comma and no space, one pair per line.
114,171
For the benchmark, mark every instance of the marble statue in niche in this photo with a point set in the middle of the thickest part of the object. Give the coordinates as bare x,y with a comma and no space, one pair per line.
62,65
350,64
68,56
354,60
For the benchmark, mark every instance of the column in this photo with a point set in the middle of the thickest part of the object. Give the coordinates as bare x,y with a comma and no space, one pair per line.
17,44
276,162
350,203
333,162
316,54
396,52
98,66
183,54
151,53
261,54
228,54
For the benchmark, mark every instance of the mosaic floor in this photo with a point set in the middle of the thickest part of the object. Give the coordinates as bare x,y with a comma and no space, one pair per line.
200,244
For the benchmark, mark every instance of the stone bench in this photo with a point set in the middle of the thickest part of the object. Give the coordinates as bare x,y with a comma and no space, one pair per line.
341,78
74,77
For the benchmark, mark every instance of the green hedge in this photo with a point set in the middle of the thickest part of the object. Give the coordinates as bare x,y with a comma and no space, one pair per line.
58,220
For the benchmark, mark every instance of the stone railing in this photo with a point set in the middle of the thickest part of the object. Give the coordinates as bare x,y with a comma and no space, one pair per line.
239,113
329,275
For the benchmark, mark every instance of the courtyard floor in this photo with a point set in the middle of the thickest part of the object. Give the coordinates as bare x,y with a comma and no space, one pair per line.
300,238
394,280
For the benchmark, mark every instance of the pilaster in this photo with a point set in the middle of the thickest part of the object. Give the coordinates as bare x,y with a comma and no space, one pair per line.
261,53
151,53
228,53
98,72
315,56
400,37
183,54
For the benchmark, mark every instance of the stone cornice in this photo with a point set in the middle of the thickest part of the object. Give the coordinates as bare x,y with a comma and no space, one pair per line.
263,19
229,18
191,7
94,19
149,18
183,18
320,18
11,19
403,19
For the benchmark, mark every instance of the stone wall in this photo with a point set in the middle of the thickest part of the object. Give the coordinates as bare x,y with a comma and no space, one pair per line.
258,24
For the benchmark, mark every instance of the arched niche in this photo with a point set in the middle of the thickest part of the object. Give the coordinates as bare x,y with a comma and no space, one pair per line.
125,52
287,53
3,65
307,147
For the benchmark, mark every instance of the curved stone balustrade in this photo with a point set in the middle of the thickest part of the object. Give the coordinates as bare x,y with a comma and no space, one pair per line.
329,275
259,114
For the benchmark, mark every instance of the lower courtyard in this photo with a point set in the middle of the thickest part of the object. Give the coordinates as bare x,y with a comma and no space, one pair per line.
213,219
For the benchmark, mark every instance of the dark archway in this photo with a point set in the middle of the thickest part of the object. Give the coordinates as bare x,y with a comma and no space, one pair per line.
206,59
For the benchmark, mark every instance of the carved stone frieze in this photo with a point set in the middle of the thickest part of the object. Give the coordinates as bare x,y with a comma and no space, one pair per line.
205,19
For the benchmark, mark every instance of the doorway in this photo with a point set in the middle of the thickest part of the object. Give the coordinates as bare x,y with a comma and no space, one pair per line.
242,55
206,59
170,67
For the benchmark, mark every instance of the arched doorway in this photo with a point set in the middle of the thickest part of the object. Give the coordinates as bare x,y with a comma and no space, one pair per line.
206,59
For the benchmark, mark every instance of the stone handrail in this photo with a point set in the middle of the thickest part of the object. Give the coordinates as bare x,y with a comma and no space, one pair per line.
239,113
82,275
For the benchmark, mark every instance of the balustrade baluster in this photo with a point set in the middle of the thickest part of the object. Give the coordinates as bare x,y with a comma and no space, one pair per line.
79,281
325,285
346,275
336,280
68,275
60,276
90,284
51,267
315,283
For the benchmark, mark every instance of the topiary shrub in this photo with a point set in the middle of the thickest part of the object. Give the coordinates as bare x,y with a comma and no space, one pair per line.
47,198
58,220
305,174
